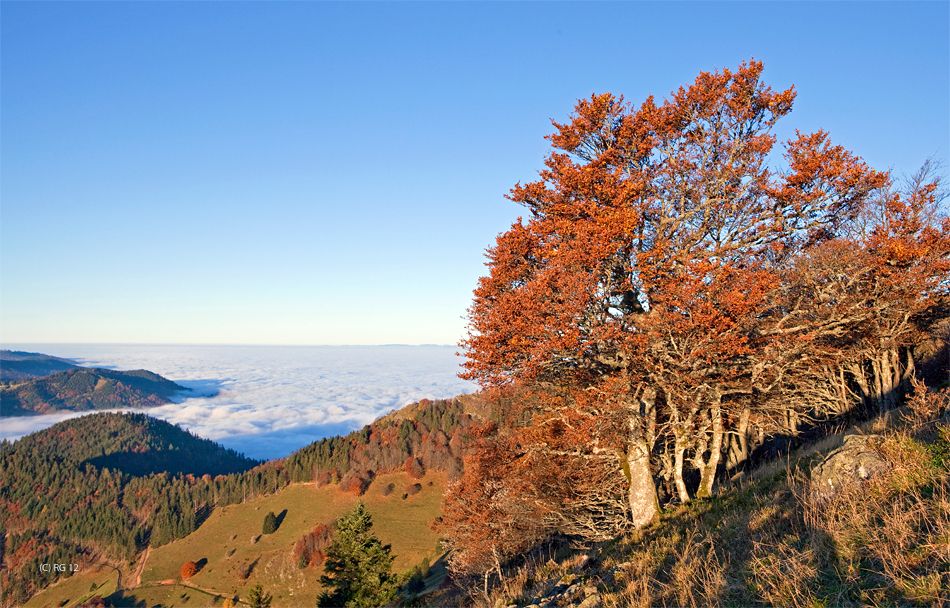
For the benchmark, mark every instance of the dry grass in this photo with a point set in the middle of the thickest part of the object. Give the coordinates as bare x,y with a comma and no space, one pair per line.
225,539
73,590
884,543
889,539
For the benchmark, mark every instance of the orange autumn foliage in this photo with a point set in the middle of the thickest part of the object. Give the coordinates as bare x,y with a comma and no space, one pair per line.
680,276
189,569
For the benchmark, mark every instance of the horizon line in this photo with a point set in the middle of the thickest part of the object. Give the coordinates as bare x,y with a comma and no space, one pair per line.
5,345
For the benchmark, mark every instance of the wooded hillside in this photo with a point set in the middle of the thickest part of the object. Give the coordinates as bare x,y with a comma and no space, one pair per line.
86,389
105,486
20,365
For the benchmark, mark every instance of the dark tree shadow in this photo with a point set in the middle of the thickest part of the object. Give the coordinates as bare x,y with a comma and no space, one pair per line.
125,599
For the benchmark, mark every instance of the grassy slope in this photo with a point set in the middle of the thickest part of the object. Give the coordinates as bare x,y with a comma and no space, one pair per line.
77,588
763,542
402,523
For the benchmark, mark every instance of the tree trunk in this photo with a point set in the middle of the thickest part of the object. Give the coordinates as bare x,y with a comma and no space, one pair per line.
644,504
857,372
708,477
739,442
910,369
678,450
792,417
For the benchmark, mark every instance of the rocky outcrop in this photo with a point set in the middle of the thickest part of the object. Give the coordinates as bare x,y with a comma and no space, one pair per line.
566,595
573,590
846,466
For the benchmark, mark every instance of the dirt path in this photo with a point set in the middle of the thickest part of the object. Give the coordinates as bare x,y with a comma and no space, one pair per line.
137,579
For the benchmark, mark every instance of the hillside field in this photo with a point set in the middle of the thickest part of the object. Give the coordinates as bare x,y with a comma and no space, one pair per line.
78,588
402,523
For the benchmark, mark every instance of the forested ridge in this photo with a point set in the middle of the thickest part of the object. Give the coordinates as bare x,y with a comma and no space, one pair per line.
21,365
105,486
85,389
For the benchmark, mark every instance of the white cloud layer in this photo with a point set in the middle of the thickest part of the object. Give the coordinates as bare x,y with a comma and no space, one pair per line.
271,400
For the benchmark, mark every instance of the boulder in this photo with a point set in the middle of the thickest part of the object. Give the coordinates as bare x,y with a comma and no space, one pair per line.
848,465
591,601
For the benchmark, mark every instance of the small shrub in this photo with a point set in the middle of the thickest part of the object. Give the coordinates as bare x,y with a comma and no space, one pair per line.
309,549
189,569
244,571
414,468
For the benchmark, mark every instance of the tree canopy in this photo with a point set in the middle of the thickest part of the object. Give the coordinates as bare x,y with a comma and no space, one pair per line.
258,598
679,280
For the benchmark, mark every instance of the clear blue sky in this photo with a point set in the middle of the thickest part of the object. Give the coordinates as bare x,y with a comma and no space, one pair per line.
321,173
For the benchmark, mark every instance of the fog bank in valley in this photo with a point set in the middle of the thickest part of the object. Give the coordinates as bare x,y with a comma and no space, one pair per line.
267,401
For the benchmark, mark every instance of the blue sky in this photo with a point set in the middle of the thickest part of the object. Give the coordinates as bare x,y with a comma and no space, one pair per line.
322,173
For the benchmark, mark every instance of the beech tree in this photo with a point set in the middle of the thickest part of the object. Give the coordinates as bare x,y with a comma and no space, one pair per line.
638,294
189,569
884,287
488,515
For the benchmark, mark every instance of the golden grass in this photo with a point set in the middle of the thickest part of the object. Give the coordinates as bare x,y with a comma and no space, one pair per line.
77,588
767,542
180,596
402,523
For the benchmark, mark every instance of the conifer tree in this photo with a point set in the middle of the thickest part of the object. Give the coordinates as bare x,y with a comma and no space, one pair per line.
258,598
358,566
270,523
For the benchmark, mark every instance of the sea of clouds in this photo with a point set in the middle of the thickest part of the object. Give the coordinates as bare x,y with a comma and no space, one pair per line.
267,401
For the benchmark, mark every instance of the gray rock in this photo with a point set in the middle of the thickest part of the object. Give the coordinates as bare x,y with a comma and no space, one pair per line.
591,601
850,464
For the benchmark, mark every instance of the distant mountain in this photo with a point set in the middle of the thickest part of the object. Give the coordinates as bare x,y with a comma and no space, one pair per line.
20,365
83,389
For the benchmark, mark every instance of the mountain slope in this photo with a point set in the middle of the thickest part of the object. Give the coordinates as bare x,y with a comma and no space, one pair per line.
20,365
83,389
101,488
135,444
66,495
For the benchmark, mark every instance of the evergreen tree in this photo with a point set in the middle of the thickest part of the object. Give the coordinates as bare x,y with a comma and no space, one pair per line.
358,566
257,598
270,523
